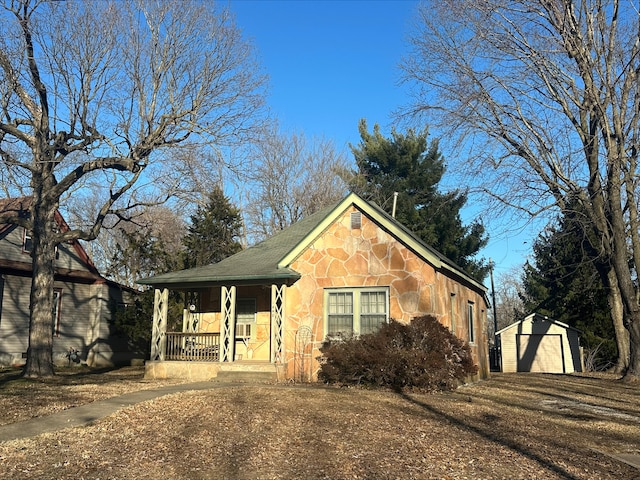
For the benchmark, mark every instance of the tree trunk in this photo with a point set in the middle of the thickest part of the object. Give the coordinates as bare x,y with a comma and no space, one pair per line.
40,352
617,315
633,372
620,264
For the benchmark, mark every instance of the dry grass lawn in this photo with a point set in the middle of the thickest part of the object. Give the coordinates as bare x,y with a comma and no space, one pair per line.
510,427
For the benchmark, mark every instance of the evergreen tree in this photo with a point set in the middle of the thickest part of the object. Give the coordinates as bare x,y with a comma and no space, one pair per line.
214,231
139,254
564,284
408,165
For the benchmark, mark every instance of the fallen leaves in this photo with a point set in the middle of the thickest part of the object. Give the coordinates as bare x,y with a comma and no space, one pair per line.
504,428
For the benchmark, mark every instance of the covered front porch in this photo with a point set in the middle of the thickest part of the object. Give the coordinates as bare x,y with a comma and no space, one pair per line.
229,328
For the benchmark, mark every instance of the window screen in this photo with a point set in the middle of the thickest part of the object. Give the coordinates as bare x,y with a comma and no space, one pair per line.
373,311
356,310
340,315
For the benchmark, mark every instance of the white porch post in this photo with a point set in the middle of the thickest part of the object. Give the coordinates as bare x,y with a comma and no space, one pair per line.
277,322
228,324
158,333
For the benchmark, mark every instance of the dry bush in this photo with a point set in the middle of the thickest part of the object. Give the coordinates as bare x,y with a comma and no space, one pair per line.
423,355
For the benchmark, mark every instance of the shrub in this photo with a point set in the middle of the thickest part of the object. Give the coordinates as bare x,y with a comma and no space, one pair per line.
423,355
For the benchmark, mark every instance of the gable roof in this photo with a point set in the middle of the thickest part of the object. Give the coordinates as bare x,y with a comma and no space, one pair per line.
20,207
16,207
271,258
537,317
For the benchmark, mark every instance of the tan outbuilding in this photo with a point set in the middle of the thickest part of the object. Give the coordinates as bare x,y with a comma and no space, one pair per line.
540,344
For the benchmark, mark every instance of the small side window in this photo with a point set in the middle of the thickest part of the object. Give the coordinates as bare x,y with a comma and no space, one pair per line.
472,333
27,242
57,307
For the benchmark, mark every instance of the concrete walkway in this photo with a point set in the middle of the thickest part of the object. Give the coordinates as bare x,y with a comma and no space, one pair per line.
85,414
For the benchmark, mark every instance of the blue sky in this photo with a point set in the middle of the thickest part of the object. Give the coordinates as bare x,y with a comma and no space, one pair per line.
332,63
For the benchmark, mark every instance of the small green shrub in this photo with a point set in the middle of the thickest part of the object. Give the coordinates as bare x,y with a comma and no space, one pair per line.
423,355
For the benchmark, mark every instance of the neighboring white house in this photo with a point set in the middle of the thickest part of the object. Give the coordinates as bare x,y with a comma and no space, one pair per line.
540,344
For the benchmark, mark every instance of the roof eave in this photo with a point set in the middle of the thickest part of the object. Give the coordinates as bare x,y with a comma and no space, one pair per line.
393,227
285,277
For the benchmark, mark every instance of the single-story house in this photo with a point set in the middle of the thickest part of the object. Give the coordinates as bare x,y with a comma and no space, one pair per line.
540,344
345,269
85,302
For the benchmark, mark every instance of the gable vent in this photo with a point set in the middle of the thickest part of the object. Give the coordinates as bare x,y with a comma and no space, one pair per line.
356,220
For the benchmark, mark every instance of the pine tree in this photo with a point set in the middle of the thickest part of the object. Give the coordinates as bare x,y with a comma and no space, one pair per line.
138,254
214,231
563,282
408,165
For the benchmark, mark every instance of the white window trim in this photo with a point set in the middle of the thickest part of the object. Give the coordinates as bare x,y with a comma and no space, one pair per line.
27,240
356,291
57,307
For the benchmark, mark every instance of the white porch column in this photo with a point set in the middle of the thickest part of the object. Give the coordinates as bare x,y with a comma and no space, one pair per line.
158,333
228,324
277,322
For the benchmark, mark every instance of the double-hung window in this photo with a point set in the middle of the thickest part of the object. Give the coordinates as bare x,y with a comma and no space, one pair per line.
355,311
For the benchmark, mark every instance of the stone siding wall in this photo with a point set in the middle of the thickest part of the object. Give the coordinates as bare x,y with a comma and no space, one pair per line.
370,256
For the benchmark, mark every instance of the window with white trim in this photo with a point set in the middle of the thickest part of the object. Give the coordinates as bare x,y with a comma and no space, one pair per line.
245,317
27,242
55,311
356,311
470,315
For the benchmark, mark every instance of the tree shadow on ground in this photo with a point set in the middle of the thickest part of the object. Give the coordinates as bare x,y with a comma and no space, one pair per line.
490,436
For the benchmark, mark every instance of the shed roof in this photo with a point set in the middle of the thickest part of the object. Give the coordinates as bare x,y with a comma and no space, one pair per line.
537,317
270,260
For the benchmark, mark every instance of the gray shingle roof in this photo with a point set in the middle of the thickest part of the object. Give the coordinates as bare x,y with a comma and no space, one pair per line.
255,265
259,264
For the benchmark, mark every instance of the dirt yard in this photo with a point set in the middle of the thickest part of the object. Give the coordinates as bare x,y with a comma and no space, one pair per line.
524,426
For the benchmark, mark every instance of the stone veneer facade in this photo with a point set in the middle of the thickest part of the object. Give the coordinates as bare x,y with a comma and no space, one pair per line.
369,256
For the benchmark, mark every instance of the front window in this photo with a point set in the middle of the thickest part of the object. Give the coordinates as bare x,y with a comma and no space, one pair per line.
373,311
340,313
356,311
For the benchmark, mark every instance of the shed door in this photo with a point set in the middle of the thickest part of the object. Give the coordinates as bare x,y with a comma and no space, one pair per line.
540,353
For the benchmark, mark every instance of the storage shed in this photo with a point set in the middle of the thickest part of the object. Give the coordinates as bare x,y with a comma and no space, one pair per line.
540,344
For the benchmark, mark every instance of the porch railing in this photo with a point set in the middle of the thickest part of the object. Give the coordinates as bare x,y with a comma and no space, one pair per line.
194,347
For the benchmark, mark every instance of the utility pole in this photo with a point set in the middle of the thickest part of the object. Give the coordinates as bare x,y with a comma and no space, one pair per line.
496,347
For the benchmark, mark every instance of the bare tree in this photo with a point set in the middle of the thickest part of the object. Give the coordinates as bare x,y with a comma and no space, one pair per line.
548,92
98,95
508,299
156,231
291,178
